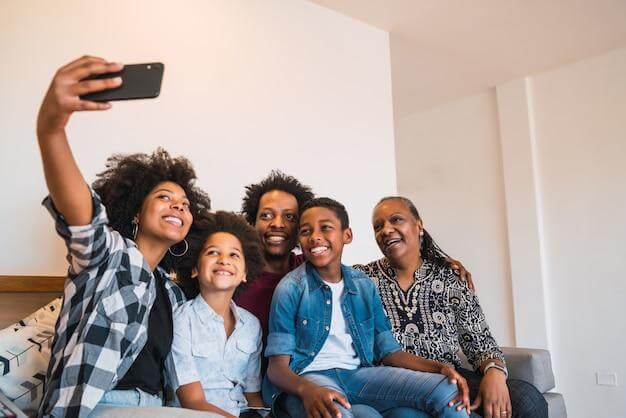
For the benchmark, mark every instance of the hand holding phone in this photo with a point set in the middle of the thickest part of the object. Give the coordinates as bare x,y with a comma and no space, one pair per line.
139,81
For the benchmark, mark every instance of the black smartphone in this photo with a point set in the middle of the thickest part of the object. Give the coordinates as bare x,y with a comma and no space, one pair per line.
139,81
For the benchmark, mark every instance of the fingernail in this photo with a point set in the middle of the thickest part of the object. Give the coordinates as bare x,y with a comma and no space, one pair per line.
117,80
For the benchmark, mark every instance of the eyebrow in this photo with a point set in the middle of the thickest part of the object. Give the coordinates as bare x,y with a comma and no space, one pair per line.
170,191
277,210
215,246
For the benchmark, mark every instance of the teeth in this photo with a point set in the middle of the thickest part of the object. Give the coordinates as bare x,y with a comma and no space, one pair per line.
223,273
275,239
173,220
318,250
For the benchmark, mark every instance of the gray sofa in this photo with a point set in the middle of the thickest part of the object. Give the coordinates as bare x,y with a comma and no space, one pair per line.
535,366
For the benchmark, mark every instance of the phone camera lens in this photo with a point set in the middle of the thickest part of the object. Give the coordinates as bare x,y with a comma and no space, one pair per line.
149,67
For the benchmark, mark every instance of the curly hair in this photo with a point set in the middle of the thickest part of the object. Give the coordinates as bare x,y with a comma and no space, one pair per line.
128,179
331,204
205,226
428,247
276,180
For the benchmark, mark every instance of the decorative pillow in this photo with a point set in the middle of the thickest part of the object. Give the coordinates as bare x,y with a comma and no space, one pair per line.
25,354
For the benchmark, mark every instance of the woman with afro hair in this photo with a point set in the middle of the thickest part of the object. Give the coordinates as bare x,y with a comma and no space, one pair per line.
123,235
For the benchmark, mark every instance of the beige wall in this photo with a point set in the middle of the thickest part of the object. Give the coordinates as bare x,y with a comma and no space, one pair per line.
541,165
249,86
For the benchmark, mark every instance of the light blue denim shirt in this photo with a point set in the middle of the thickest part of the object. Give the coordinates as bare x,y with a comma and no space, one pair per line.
300,317
201,352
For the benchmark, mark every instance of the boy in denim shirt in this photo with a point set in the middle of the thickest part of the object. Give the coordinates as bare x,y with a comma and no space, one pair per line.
328,331
216,351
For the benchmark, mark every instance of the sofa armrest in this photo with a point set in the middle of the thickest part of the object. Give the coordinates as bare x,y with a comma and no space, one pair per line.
532,365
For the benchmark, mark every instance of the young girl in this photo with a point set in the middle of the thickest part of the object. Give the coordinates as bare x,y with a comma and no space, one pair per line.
115,327
216,352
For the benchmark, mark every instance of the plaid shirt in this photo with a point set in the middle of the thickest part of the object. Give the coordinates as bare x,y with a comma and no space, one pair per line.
103,323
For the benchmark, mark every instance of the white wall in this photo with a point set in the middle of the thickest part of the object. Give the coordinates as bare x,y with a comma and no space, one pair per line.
249,86
580,119
559,202
449,164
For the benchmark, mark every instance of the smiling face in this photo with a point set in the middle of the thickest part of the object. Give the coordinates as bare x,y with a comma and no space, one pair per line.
276,223
322,238
164,214
221,265
396,229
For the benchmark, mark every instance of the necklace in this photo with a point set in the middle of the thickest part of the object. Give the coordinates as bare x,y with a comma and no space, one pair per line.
402,301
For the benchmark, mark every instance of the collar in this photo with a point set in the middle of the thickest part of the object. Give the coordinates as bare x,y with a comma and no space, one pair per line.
315,281
204,311
421,274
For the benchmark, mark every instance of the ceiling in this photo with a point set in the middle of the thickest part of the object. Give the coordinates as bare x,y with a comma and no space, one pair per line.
443,50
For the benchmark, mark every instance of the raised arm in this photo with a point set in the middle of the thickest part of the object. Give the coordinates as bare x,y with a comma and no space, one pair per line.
65,182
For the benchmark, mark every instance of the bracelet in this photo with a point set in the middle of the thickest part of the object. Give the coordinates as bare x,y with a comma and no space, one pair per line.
494,365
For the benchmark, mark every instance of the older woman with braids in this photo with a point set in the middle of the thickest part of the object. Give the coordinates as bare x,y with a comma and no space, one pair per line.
435,315
123,235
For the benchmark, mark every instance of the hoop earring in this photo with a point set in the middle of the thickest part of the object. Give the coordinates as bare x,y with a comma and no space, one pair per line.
135,229
181,254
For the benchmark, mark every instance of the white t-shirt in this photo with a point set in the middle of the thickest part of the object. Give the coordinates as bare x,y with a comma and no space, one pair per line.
337,351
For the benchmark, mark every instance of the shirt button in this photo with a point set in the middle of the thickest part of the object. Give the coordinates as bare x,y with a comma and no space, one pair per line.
312,353
328,302
304,322
327,328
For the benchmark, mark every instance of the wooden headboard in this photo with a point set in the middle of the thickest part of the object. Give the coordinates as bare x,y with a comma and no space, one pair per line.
31,284
23,295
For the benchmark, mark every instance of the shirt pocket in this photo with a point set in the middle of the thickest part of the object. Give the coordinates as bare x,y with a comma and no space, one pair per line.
244,350
307,332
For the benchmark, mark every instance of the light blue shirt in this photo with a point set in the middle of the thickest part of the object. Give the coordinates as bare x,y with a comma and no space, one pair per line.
201,352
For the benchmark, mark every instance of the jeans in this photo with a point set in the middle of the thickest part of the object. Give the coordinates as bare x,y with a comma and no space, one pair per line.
384,389
125,398
526,400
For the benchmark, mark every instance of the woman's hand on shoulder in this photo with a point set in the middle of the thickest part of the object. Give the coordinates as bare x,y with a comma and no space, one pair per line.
62,98
464,275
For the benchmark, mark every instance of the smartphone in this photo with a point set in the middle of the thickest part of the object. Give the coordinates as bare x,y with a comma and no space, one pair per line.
139,81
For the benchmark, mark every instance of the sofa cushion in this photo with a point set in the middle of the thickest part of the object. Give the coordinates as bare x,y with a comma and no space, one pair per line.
531,365
25,354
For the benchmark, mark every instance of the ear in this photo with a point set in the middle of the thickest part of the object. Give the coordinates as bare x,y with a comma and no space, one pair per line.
194,273
420,227
347,235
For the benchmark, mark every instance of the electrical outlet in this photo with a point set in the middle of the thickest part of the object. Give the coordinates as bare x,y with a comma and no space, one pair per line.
606,378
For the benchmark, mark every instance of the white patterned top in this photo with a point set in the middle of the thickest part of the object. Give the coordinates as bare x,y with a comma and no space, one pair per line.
437,317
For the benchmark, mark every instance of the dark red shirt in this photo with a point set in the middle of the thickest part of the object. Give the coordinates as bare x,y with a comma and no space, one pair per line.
257,297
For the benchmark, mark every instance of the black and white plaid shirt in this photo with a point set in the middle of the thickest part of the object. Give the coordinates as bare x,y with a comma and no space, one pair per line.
103,322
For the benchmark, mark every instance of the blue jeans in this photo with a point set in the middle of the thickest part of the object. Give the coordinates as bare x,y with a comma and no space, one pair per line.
384,389
125,398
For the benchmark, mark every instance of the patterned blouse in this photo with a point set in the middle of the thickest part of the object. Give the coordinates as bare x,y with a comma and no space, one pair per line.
437,317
